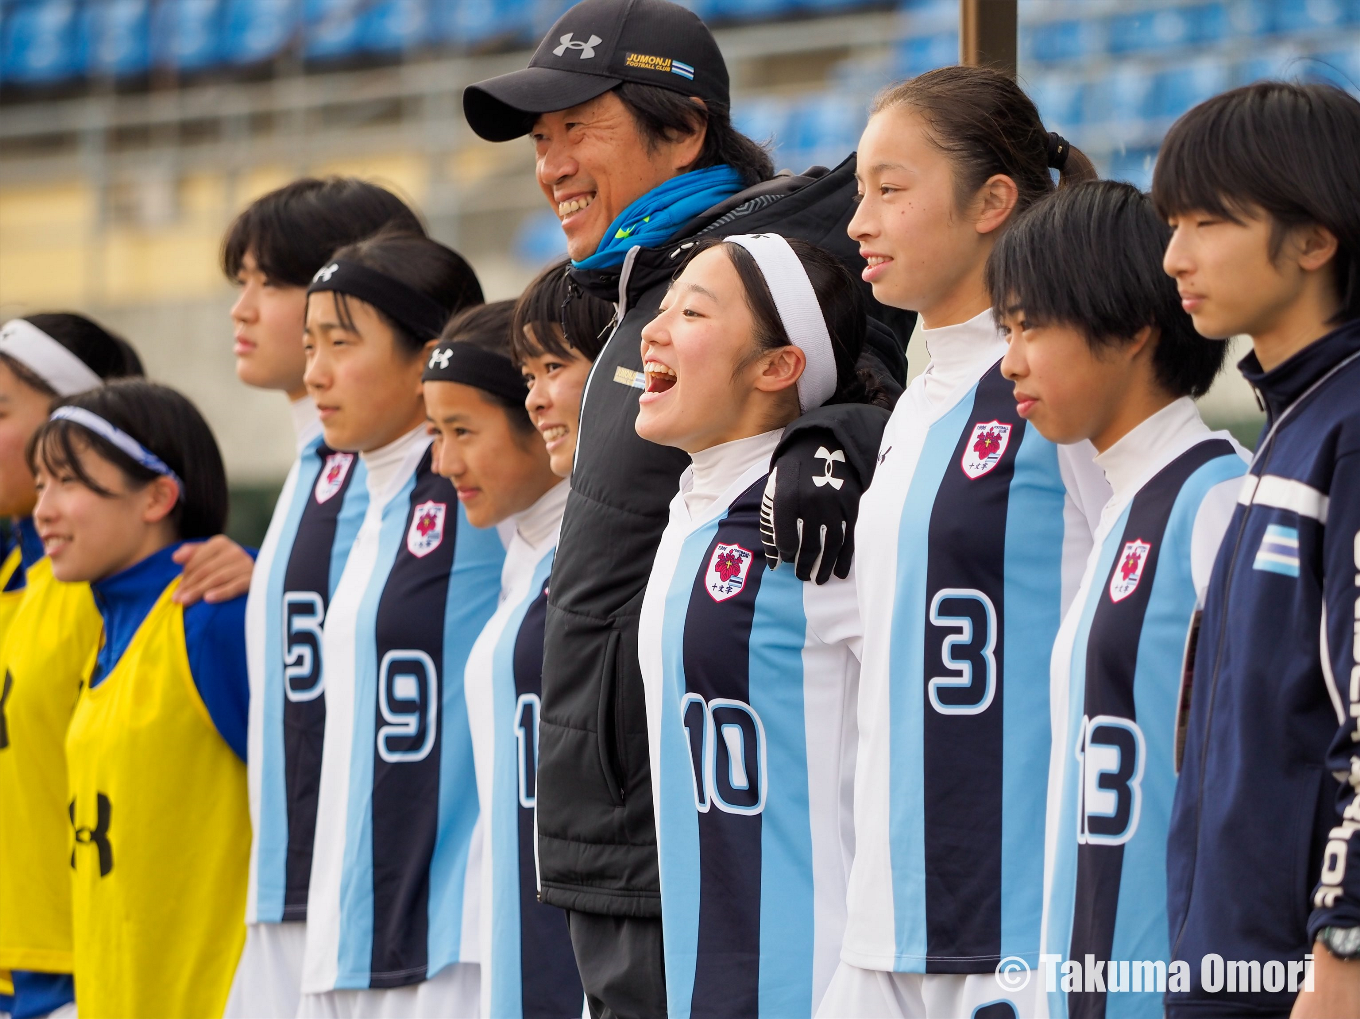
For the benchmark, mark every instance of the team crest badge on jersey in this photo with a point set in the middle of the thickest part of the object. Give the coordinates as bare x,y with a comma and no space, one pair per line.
986,446
1129,570
727,571
427,528
333,474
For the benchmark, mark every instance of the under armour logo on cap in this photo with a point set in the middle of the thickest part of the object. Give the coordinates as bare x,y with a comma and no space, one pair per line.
829,461
587,48
324,275
439,357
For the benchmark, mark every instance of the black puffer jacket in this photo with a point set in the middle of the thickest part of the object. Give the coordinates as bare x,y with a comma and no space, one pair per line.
596,840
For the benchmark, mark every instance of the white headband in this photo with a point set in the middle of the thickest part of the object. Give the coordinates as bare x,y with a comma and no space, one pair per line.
47,358
796,302
106,429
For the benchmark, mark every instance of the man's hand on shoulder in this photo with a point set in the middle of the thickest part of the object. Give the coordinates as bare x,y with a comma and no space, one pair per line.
811,503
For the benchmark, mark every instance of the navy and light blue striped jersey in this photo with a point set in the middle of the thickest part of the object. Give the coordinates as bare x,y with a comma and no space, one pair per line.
1117,668
750,680
528,965
393,897
971,541
314,523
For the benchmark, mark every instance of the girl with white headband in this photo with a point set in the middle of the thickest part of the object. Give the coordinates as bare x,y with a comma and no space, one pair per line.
155,751
750,675
48,632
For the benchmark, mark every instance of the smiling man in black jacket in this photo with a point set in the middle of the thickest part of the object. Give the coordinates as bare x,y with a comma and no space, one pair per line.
627,105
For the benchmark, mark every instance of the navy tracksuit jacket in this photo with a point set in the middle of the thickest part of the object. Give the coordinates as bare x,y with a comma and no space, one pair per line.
1260,854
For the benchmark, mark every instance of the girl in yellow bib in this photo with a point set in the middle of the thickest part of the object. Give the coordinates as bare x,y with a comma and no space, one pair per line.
49,632
155,749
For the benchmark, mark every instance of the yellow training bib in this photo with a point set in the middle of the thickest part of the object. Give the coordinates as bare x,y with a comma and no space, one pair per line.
9,600
52,637
162,836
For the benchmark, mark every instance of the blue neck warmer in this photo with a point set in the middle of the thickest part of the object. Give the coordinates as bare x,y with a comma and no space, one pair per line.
653,219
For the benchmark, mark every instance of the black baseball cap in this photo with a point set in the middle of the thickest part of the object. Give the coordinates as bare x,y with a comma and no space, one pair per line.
595,46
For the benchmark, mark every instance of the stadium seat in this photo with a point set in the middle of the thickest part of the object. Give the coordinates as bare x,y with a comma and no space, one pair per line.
39,42
396,25
187,34
539,239
475,24
925,52
259,29
331,28
115,37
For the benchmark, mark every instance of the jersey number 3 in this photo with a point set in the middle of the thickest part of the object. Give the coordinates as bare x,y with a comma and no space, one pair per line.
1109,780
968,652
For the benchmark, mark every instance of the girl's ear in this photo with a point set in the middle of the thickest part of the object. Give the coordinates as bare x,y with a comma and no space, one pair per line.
997,197
162,496
783,367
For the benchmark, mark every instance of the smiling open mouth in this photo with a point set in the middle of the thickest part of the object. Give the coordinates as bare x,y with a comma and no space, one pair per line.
660,377
574,205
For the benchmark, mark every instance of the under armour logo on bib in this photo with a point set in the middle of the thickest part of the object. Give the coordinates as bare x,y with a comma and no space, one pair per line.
98,836
829,461
587,48
4,704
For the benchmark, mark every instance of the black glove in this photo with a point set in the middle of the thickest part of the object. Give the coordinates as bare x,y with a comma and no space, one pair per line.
811,502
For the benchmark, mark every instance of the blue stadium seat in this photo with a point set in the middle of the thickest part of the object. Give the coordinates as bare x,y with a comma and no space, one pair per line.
187,34
1338,67
1304,15
259,29
115,37
1155,30
926,52
1059,96
331,28
39,42
396,25
539,239
747,10
470,24
822,129
762,119
1181,87
1066,39
1134,166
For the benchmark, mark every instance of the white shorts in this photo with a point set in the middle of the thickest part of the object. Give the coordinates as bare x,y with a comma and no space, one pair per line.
453,993
856,993
269,976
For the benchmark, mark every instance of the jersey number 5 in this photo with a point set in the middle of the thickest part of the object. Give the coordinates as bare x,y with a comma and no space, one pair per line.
727,751
303,614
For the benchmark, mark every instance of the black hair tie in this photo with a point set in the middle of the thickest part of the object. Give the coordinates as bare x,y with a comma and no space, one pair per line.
1059,148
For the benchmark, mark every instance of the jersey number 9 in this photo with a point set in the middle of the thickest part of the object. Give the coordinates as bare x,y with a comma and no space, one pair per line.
408,697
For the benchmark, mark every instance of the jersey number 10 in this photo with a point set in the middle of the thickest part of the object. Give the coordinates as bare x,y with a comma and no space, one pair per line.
727,751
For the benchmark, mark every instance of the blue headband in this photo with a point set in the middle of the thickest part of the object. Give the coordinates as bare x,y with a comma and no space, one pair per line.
112,433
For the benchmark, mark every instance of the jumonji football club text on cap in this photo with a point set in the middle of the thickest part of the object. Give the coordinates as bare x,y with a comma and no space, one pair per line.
595,46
